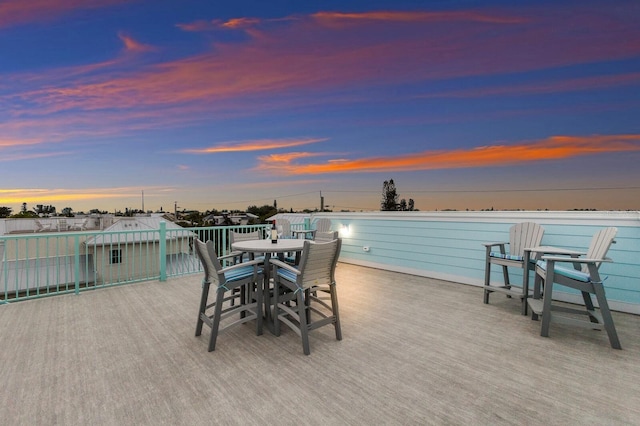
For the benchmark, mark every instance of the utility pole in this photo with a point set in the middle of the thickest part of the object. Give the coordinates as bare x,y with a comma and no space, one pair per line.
321,202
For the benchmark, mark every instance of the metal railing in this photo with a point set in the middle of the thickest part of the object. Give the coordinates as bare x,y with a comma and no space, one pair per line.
49,263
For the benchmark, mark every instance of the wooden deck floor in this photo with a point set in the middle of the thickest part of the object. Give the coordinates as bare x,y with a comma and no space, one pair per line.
415,351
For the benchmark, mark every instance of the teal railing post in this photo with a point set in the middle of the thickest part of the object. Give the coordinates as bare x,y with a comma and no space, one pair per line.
76,262
163,250
307,223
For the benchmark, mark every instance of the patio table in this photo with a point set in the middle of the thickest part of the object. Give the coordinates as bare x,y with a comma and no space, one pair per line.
268,248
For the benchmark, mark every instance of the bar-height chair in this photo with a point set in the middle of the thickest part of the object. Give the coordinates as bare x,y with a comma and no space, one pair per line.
285,228
245,305
325,236
235,237
521,236
299,308
323,225
585,277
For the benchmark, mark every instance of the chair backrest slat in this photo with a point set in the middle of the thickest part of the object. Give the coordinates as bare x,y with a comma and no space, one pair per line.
600,244
285,225
325,236
523,235
323,225
235,237
317,266
210,263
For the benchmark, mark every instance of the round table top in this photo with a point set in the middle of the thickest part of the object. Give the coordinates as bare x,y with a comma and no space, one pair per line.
266,246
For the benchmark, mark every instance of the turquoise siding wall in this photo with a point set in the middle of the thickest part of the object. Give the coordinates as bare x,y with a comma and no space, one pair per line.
448,245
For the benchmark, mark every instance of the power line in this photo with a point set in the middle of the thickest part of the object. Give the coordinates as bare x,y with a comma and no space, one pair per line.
606,188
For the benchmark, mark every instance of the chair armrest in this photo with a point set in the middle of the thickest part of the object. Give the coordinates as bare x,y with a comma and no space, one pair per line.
575,259
255,263
231,254
283,265
494,244
554,250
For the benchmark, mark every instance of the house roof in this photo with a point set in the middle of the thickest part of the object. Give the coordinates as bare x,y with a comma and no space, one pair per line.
293,218
110,235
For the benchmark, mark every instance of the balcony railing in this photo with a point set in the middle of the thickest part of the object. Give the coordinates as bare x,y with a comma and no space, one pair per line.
43,264
442,245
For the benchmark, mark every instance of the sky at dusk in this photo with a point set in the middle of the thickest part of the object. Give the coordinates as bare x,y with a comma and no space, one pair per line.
223,105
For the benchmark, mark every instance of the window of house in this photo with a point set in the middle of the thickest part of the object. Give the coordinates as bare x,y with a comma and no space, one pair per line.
116,256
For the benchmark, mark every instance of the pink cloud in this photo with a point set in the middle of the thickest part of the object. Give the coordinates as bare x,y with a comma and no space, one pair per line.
17,12
132,45
304,60
568,85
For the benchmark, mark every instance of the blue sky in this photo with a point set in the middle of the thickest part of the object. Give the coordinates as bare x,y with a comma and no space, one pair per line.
465,104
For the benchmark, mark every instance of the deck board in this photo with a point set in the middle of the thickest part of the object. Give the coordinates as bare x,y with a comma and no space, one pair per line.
415,351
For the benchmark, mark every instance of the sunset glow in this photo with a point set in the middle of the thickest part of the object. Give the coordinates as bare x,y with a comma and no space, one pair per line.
211,105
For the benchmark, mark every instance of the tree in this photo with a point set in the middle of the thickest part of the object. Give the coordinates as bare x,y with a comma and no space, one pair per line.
389,196
5,211
42,210
411,205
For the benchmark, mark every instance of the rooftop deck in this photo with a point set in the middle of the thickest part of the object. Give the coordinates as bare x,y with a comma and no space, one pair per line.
415,351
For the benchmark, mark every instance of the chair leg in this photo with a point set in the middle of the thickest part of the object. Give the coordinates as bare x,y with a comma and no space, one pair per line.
336,313
203,307
507,282
304,328
258,297
276,312
546,302
487,278
537,293
609,326
588,303
217,313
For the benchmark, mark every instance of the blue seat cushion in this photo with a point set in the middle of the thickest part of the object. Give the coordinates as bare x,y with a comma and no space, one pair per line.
240,273
505,256
287,274
574,274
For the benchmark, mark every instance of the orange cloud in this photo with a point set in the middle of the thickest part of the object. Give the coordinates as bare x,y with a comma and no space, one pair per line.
553,148
254,145
17,12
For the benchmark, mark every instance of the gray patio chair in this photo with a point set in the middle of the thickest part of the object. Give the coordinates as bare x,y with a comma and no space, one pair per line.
234,237
325,236
299,308
585,277
285,228
323,225
230,308
521,236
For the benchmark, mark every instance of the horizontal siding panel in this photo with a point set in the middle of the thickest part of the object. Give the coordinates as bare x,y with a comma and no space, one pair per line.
441,244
